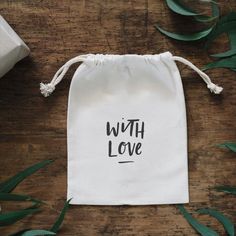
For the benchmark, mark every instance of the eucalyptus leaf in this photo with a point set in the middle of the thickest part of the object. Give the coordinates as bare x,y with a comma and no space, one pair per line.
16,197
226,24
226,189
222,28
8,185
228,53
215,11
203,18
232,51
232,38
13,197
37,232
215,14
60,218
19,233
34,205
11,217
225,221
186,37
229,62
230,146
178,7
199,227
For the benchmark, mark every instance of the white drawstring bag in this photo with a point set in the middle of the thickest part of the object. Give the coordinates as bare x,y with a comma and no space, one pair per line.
126,129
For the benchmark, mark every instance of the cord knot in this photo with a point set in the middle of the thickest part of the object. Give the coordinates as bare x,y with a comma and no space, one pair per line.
214,88
46,89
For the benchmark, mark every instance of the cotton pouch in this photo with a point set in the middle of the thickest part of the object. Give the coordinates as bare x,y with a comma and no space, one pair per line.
126,129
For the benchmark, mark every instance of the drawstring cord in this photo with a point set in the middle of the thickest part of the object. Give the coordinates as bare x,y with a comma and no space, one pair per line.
47,89
211,86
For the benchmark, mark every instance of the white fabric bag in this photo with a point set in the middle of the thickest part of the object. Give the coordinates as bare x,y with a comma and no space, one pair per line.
12,47
127,134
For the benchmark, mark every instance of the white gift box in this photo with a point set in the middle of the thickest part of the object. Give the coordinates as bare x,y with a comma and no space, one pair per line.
12,47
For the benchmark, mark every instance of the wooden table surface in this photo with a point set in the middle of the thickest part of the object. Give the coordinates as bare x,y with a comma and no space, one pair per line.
34,128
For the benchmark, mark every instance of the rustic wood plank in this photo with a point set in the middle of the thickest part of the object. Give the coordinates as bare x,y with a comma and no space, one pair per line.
34,128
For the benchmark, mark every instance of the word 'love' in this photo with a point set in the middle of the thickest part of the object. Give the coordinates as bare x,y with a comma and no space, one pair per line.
134,128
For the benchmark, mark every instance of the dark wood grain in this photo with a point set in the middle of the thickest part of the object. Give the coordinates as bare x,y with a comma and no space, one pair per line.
34,128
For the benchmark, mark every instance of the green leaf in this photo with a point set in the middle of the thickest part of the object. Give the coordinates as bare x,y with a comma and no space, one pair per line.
13,197
199,227
37,232
229,62
34,205
222,28
215,11
228,53
178,7
230,146
226,189
232,51
225,221
16,197
215,14
225,25
19,233
185,37
232,38
205,18
11,217
60,219
12,182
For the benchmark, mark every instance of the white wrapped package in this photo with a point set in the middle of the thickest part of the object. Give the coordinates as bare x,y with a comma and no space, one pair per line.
12,47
